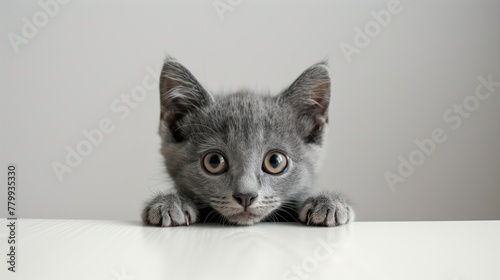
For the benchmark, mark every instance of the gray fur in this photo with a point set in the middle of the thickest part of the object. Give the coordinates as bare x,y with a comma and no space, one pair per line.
244,127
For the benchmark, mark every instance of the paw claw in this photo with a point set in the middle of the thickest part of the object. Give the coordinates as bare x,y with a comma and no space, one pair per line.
187,217
308,217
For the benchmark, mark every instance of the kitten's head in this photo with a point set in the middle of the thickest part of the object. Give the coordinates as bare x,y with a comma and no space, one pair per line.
245,155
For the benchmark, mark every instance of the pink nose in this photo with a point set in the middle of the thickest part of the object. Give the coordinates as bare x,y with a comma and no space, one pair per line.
245,199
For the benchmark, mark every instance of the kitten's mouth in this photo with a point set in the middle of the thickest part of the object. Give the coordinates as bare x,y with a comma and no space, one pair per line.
244,218
237,214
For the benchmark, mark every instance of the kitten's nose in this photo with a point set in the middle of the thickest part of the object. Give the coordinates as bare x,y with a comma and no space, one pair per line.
245,199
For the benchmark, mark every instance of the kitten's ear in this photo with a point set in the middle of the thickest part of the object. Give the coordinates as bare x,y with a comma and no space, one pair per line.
180,94
309,97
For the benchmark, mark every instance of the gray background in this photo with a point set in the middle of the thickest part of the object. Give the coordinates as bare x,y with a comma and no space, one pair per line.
394,91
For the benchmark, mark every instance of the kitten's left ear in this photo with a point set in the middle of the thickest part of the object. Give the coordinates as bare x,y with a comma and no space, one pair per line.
309,97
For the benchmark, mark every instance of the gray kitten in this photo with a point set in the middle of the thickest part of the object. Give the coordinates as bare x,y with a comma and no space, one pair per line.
244,158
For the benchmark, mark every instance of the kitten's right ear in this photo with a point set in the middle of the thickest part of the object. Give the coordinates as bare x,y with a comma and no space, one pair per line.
180,94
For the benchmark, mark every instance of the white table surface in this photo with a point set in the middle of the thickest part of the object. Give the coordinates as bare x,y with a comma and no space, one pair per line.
85,249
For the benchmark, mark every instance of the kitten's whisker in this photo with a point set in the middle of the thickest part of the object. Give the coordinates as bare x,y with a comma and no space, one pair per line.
293,216
274,218
268,202
211,212
276,213
290,207
218,197
215,200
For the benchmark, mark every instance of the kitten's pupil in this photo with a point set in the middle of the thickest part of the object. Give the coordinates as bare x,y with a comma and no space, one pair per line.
275,160
214,161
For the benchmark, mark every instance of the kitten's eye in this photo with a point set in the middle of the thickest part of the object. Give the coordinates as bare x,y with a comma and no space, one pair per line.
214,163
275,163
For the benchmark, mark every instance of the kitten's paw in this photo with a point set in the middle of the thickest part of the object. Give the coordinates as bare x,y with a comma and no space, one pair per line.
168,210
326,210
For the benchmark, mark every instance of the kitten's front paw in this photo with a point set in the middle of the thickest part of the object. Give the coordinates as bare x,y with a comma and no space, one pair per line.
326,210
167,210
